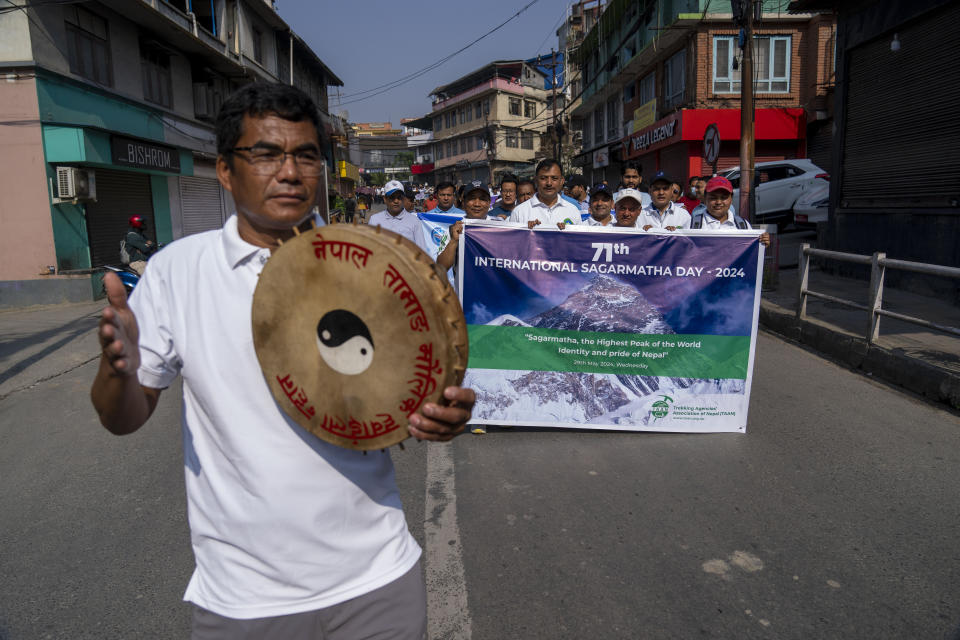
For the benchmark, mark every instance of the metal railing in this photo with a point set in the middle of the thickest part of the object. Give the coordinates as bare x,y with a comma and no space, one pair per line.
878,264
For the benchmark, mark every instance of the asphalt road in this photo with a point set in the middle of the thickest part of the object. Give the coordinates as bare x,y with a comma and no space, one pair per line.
835,516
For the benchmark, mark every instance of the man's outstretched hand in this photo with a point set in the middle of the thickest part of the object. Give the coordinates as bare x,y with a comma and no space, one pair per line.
118,333
444,422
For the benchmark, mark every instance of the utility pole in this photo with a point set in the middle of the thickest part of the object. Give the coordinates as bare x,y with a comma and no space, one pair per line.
556,136
746,207
490,135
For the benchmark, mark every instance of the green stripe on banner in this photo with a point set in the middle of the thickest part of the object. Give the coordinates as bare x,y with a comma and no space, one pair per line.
670,355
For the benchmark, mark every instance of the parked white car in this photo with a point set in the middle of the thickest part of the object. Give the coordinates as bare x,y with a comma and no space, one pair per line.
812,207
777,187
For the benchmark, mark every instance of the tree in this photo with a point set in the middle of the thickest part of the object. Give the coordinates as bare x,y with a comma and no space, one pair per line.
404,159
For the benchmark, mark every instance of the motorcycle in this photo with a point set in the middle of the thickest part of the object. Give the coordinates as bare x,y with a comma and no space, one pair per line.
127,276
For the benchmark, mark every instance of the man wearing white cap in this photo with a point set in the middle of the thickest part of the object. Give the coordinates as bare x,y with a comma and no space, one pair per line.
662,213
627,208
398,219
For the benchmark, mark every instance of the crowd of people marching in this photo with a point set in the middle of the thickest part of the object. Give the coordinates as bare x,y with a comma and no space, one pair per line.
552,200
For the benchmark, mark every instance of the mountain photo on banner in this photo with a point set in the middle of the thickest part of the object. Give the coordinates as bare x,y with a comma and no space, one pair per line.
579,301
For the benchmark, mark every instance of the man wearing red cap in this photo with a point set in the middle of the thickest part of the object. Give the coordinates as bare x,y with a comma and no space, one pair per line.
719,215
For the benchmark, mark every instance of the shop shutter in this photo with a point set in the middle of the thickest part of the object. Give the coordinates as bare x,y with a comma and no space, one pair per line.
903,117
120,194
201,204
820,144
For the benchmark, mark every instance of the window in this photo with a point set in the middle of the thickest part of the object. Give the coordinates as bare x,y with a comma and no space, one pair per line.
88,47
771,61
451,148
647,86
772,174
526,139
629,92
463,145
598,125
155,68
529,109
514,106
486,107
257,45
613,119
437,122
481,142
479,109
440,151
469,143
512,138
462,115
469,113
674,79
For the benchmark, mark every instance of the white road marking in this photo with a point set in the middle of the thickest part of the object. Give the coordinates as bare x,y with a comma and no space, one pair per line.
448,616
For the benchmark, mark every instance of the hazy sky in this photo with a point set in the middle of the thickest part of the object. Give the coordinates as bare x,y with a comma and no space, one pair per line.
369,43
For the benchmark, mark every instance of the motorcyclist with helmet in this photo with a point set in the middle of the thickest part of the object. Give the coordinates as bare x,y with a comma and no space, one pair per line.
138,248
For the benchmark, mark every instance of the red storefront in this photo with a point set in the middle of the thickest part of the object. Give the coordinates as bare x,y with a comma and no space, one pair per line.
674,144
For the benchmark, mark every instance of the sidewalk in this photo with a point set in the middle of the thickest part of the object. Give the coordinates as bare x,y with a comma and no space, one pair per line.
921,360
38,343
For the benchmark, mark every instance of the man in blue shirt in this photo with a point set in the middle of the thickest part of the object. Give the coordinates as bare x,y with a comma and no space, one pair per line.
446,192
508,198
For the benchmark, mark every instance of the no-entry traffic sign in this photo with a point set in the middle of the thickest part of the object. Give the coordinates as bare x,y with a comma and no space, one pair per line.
711,144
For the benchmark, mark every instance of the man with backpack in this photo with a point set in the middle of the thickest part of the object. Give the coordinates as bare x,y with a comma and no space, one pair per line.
135,248
719,215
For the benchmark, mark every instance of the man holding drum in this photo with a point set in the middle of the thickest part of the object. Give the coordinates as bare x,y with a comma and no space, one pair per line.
293,537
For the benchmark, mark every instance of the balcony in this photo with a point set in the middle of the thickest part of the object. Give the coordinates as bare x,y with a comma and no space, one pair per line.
499,84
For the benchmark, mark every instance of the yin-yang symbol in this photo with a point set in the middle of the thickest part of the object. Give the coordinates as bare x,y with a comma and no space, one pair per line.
344,342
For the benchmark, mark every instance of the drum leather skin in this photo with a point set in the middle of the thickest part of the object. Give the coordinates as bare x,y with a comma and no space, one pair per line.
355,329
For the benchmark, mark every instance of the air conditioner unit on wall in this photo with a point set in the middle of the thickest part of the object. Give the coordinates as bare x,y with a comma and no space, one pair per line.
74,183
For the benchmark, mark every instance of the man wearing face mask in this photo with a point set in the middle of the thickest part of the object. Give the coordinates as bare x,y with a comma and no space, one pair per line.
690,199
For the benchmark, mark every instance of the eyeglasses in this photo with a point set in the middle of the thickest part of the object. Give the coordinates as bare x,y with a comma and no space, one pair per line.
267,161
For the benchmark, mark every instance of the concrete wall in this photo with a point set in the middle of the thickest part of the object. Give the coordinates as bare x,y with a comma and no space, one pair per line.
26,246
15,43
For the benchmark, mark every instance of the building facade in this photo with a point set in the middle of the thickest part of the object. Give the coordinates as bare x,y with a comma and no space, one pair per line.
488,122
890,189
581,17
107,111
657,74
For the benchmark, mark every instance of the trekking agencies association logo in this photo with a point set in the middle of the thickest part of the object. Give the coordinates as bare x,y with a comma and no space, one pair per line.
661,407
439,236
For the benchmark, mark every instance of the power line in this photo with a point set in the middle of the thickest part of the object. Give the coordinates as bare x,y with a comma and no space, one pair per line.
35,3
416,74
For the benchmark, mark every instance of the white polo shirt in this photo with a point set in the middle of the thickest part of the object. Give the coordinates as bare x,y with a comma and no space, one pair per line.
281,522
591,222
711,223
549,216
675,215
407,224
